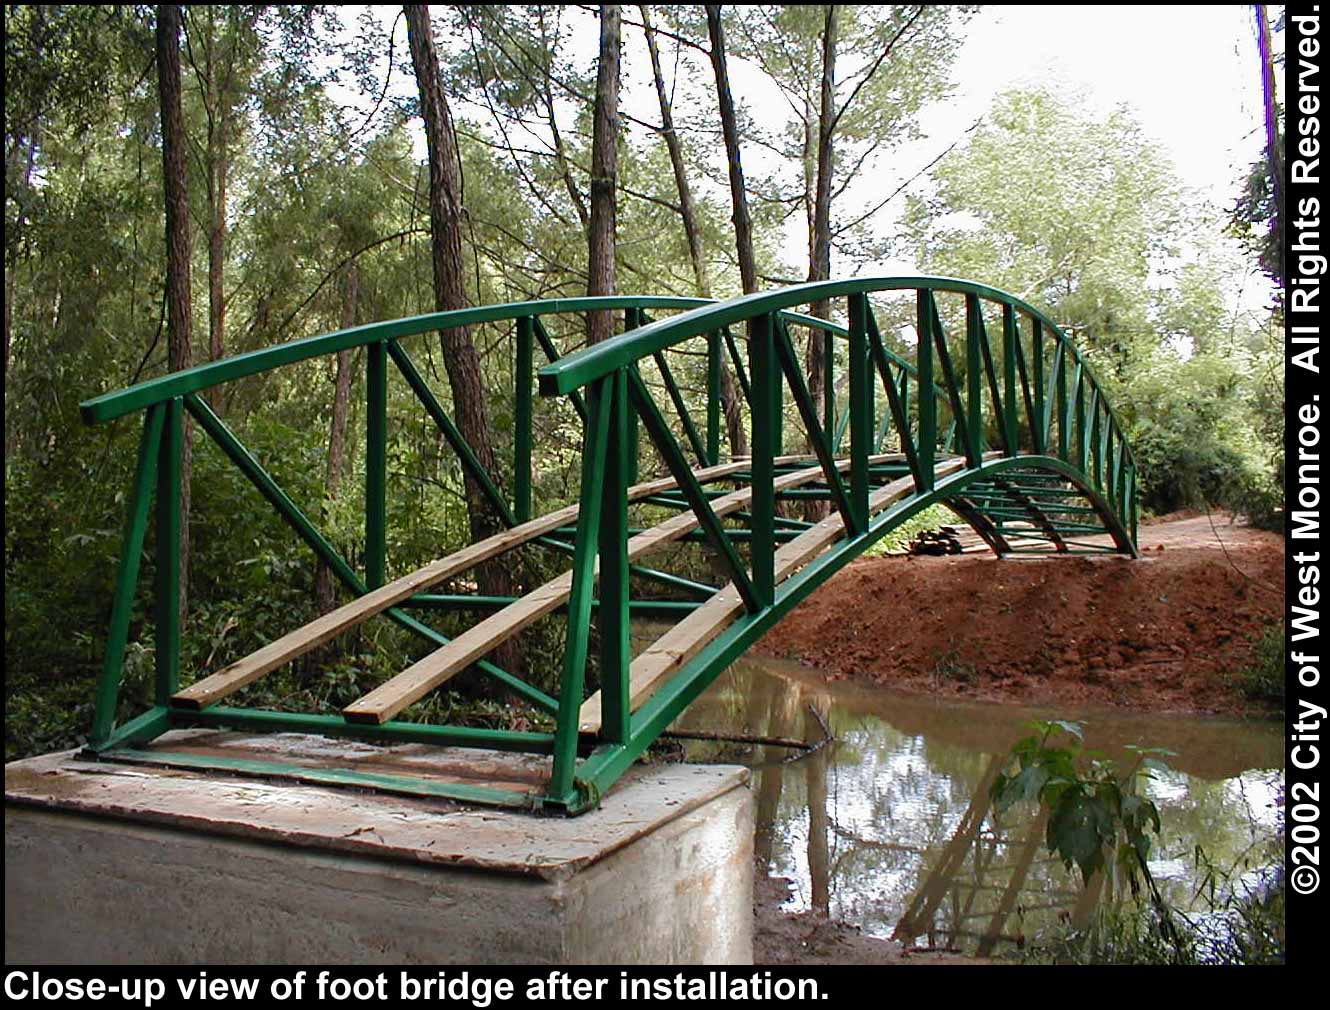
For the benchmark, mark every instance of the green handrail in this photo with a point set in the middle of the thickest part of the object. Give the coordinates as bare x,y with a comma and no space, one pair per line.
109,406
1004,491
591,363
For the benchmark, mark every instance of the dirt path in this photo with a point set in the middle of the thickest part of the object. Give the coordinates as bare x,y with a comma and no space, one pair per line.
1170,631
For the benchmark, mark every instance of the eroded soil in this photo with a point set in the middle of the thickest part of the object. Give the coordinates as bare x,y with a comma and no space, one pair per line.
1170,632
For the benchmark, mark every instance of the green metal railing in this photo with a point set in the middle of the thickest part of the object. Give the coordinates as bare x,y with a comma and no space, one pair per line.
1013,432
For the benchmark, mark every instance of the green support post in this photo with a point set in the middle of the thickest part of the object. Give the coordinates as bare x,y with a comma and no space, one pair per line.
1009,422
861,417
1077,405
599,410
681,408
136,525
713,396
376,464
632,320
1037,431
828,387
1064,418
926,444
974,378
523,378
168,552
613,613
765,377
959,415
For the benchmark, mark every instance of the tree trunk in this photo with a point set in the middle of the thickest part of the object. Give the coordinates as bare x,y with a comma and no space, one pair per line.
325,590
743,222
604,175
819,247
460,357
1271,133
218,157
179,316
729,391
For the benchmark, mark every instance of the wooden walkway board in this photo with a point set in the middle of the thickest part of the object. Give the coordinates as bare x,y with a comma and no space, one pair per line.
424,676
211,689
686,639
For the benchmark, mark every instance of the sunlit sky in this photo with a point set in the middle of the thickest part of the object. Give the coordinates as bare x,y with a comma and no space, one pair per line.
1190,74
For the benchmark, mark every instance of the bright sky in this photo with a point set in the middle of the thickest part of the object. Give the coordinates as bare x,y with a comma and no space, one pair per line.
1190,74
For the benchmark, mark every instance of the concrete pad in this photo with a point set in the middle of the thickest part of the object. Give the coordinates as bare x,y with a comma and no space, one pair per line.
116,863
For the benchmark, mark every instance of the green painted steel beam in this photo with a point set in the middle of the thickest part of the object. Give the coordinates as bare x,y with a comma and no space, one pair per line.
817,438
138,731
605,764
394,731
167,602
215,373
523,380
465,453
347,777
465,602
376,465
596,445
669,450
136,525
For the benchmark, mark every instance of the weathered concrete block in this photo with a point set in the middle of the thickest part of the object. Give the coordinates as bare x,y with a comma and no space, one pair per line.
109,863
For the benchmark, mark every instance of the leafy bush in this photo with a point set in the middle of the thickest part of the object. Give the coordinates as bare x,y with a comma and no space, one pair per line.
1099,823
1263,679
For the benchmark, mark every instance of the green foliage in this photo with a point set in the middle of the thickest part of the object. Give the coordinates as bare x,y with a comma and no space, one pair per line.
1097,820
1086,217
1263,679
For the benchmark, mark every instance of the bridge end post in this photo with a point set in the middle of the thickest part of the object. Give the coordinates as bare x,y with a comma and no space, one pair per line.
612,614
764,374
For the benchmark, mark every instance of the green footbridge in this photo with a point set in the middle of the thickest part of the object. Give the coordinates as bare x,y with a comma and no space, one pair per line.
990,410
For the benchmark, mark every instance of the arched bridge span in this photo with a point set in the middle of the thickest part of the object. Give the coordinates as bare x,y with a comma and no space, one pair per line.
932,391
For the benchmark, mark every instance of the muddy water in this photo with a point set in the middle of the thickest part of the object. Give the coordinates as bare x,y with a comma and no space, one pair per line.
889,826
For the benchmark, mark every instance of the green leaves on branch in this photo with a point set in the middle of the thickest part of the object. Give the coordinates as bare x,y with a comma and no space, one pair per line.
1096,818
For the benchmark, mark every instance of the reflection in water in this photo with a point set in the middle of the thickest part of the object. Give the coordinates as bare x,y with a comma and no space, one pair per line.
889,826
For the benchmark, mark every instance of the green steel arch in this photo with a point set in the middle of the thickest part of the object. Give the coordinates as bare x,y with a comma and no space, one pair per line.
1012,432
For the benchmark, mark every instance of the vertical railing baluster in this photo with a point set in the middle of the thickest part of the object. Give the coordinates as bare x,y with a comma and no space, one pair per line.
136,525
612,614
1056,383
764,374
861,406
926,446
713,396
522,378
1037,433
974,378
828,388
1010,424
169,490
1132,514
594,451
376,463
1070,399
632,319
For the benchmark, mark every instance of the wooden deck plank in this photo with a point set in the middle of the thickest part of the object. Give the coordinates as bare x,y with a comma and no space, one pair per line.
447,661
656,663
232,678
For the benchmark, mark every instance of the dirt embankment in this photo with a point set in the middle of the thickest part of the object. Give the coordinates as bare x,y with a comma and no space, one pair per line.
1168,632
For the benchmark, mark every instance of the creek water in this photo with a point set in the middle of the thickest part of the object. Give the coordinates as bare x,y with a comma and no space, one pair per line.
888,825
